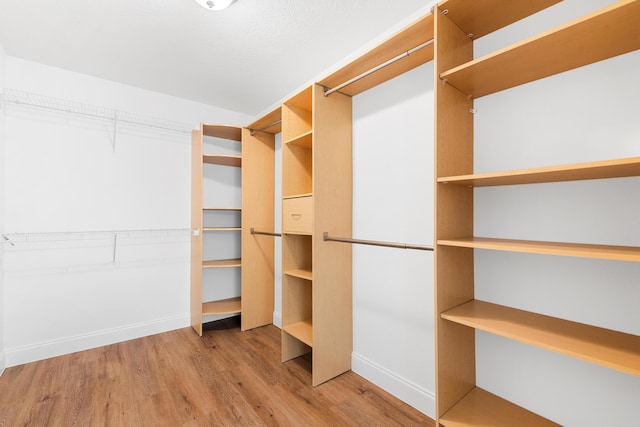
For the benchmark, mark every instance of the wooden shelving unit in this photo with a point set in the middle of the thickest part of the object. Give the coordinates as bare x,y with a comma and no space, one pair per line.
258,175
459,79
199,307
316,191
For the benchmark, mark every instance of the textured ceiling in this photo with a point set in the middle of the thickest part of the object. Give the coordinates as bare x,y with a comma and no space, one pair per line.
245,58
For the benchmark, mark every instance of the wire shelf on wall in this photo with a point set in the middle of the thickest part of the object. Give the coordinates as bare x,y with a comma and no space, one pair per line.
14,239
18,97
88,239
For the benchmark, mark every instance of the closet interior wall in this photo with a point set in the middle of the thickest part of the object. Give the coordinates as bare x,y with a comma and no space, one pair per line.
62,178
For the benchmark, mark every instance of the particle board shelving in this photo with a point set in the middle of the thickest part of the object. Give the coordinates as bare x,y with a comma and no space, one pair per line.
256,259
316,192
200,308
258,175
606,33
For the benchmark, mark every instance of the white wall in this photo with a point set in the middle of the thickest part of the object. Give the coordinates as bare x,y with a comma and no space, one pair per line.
2,159
586,114
393,201
63,174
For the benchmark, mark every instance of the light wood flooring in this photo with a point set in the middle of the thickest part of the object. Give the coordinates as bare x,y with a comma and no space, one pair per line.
225,378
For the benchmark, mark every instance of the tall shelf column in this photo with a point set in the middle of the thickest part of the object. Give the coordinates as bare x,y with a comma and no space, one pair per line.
317,188
460,78
200,305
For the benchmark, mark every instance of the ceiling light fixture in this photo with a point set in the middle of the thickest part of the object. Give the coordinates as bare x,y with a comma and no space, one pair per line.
215,4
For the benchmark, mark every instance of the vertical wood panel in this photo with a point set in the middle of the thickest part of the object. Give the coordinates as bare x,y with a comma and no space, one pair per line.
196,238
455,345
258,171
332,274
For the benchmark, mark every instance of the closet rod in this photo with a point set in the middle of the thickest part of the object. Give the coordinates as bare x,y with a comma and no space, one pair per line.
254,131
266,233
328,92
326,237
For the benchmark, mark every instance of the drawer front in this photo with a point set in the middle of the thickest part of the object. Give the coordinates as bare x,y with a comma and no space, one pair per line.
297,215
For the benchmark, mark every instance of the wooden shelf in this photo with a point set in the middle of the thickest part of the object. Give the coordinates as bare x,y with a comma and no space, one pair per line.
302,100
302,331
302,274
577,43
406,39
222,229
303,140
272,119
223,306
481,408
222,159
233,133
214,208
295,196
222,263
472,17
619,253
612,349
617,168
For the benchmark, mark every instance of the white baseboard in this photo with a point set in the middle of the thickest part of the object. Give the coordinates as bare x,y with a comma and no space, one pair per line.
44,350
3,362
277,319
412,394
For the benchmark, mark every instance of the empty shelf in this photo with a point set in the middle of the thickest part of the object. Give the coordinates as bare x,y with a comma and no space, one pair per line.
222,159
481,408
222,131
620,253
604,34
472,17
613,349
221,263
219,208
303,140
224,306
221,228
295,196
302,331
303,274
617,168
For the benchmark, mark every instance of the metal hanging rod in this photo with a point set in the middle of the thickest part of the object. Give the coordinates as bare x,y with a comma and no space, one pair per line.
328,92
265,233
327,238
254,131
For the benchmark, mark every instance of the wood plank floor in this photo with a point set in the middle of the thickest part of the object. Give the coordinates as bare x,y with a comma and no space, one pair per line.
225,378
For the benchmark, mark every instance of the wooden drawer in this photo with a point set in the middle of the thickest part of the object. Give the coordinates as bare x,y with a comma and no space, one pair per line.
297,215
